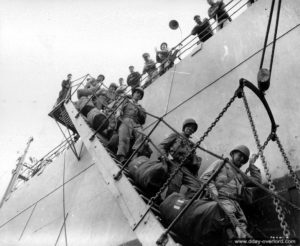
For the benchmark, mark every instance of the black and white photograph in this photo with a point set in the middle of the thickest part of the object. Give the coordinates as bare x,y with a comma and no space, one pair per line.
143,123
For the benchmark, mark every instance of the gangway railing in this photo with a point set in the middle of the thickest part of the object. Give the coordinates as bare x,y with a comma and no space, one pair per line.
131,204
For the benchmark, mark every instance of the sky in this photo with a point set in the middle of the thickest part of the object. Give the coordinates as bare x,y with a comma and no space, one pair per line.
42,41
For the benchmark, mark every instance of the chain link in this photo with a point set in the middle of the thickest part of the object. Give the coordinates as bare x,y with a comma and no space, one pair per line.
287,162
278,208
218,118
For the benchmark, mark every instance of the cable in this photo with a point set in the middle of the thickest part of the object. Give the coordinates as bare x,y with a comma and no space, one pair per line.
275,35
171,87
267,35
64,201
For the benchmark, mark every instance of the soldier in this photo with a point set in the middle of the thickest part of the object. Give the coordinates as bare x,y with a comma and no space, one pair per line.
133,78
105,97
65,90
121,89
163,57
132,116
179,146
229,186
202,29
150,69
217,11
93,83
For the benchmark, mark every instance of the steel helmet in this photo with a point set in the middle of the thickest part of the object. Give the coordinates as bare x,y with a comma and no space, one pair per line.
146,55
114,85
243,149
190,122
140,89
101,75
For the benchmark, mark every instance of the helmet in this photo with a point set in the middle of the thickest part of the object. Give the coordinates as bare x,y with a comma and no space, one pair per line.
140,89
146,55
190,122
113,85
243,149
101,75
196,16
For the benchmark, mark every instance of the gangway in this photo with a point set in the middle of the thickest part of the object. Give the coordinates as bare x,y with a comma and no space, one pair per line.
130,198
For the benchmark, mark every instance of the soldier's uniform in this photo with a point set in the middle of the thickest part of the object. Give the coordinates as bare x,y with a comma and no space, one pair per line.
133,117
105,97
229,186
178,147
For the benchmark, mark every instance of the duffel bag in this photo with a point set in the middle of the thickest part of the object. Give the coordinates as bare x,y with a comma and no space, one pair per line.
97,119
204,221
148,174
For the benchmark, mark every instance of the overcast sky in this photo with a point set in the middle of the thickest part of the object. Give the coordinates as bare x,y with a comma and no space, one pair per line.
42,41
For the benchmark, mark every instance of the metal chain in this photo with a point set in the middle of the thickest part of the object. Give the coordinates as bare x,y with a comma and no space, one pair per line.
278,208
287,162
193,149
218,117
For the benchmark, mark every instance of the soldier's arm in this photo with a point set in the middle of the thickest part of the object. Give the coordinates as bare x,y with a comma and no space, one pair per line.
100,92
254,170
142,115
65,84
152,64
166,144
207,174
120,110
